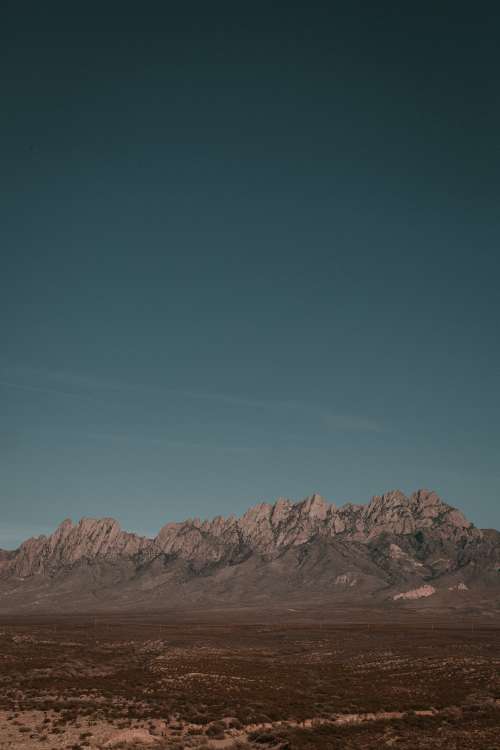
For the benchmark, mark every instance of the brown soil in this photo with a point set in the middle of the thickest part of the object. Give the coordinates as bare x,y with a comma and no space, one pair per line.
160,682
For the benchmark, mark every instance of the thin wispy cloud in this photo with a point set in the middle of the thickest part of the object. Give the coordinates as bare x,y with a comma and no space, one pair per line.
75,385
165,442
351,423
133,437
42,389
332,421
56,382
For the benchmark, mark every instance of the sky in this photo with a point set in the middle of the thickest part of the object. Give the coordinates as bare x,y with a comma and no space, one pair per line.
248,251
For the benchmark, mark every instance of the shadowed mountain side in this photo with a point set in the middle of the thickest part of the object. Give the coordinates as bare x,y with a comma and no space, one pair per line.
395,551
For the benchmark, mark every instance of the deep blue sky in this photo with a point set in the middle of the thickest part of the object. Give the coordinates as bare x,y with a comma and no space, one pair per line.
247,251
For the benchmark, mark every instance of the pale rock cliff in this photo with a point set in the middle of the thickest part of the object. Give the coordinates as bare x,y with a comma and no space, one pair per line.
388,548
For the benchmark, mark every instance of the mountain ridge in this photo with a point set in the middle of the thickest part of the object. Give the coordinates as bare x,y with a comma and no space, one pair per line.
380,551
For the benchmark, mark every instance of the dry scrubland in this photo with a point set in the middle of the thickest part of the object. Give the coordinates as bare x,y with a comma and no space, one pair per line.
229,683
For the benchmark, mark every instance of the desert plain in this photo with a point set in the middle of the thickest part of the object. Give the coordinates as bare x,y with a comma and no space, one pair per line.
250,678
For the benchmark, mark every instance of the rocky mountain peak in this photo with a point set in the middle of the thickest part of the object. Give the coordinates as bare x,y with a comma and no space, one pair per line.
281,510
426,498
391,499
257,513
315,506
69,543
394,544
65,525
430,509
268,530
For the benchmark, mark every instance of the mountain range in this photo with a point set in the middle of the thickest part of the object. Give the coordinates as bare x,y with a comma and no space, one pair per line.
396,551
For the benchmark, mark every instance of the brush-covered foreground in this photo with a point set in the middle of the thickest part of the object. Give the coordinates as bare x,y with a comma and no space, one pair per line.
248,682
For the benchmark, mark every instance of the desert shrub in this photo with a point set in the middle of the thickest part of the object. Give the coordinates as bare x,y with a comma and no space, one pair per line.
216,730
263,738
195,730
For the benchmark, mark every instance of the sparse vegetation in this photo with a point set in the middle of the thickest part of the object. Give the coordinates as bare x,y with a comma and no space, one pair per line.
255,685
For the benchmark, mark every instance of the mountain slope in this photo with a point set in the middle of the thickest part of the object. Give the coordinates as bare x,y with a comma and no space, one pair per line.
395,550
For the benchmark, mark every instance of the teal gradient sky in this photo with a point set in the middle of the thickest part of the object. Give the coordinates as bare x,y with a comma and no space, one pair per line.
247,251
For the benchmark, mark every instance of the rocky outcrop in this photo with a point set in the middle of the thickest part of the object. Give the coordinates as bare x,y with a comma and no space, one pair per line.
268,529
421,593
90,538
392,545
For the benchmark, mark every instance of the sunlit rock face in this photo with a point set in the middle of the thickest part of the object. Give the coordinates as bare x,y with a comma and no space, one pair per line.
381,551
90,538
421,593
